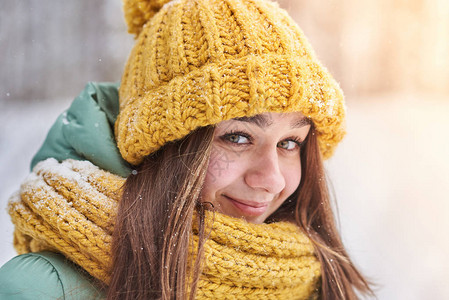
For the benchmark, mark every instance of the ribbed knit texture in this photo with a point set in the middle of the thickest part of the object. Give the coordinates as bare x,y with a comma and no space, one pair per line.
199,62
69,207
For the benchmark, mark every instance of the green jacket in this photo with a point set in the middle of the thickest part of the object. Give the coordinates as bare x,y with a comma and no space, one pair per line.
46,275
84,132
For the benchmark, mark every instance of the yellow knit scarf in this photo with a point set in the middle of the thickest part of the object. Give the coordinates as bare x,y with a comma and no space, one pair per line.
70,208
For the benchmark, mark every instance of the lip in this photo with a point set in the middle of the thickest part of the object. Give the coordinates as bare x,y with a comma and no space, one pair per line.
248,208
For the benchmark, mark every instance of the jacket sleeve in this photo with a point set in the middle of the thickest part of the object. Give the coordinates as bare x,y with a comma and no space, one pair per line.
45,275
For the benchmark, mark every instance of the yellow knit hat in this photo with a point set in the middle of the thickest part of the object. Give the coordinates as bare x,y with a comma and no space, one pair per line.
199,62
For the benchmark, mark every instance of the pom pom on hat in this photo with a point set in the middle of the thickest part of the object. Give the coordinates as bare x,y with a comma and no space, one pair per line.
138,12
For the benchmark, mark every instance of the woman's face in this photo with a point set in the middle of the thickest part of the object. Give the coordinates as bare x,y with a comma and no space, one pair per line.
255,164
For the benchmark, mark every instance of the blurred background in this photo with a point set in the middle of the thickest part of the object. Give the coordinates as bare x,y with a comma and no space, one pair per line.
391,172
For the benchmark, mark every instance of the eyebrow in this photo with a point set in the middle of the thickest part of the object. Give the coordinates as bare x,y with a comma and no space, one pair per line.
263,121
302,122
260,120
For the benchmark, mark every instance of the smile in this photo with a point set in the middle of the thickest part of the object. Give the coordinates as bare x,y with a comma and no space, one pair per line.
248,208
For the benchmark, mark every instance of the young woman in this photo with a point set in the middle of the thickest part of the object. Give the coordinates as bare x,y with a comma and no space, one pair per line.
221,121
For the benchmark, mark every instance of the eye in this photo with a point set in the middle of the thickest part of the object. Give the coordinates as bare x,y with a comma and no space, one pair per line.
237,138
289,144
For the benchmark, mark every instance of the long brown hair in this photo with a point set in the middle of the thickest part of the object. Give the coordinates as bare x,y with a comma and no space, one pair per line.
150,242
152,232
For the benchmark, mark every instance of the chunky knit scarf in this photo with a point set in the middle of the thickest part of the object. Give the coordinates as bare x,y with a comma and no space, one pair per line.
70,207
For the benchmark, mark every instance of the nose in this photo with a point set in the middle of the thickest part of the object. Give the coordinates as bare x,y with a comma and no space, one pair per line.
264,172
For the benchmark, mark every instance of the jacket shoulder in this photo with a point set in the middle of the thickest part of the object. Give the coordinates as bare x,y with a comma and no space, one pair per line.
45,275
85,131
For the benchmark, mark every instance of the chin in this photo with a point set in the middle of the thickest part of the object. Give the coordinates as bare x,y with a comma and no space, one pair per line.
252,219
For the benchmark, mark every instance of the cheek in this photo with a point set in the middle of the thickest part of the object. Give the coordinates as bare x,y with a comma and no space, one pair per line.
221,172
221,165
292,175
